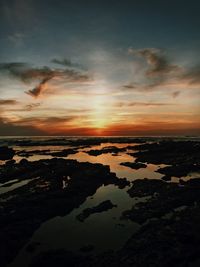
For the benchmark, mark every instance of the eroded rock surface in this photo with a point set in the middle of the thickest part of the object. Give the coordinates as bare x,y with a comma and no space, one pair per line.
103,206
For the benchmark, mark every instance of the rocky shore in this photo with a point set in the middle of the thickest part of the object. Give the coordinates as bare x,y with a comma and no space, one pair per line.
169,218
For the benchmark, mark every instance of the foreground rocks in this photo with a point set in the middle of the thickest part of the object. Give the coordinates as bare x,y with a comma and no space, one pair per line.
168,215
6,153
24,209
47,152
110,149
134,165
182,155
169,236
103,206
165,198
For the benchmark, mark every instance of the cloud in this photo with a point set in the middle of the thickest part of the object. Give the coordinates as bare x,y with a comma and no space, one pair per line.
160,73
157,61
46,122
27,74
35,92
176,94
32,106
142,104
192,76
7,102
67,63
8,128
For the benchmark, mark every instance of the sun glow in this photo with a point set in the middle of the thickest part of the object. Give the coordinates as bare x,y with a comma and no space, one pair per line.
100,105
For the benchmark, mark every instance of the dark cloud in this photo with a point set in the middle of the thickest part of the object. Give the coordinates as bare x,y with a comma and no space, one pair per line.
8,129
176,94
32,106
158,62
161,72
142,104
13,68
35,92
7,102
27,74
67,63
129,86
192,75
49,121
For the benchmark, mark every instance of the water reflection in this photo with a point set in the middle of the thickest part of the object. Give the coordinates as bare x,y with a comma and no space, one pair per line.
102,230
121,171
13,184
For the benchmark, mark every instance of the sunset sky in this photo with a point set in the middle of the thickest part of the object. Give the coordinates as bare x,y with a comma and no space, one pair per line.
99,67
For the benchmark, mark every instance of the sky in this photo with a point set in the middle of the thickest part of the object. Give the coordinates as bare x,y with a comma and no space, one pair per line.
119,68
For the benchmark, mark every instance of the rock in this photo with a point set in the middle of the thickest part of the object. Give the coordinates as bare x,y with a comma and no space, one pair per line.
63,153
60,258
87,248
134,165
103,206
10,162
6,153
27,207
179,170
110,149
32,247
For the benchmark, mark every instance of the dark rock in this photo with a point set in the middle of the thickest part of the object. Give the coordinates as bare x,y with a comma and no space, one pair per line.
63,153
110,149
87,248
60,258
28,206
32,247
134,165
179,170
10,162
166,178
103,206
165,197
6,153
147,187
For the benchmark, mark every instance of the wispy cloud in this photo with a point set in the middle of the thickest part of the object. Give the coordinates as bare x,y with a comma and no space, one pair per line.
142,104
27,74
32,106
158,63
5,102
192,76
67,63
160,73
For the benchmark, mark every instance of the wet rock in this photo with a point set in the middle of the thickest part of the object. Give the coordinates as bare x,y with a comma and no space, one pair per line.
169,152
26,154
165,197
110,149
10,162
164,242
63,153
28,206
179,170
166,178
147,187
193,182
103,206
32,247
122,182
87,248
6,153
60,258
134,165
